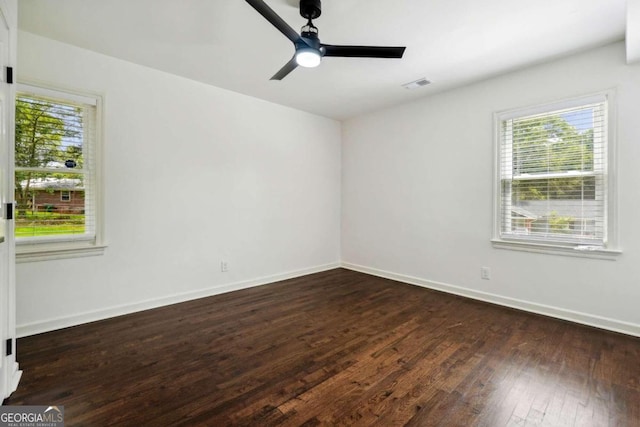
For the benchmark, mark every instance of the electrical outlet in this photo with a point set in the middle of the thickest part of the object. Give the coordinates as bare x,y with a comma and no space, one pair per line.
224,266
485,273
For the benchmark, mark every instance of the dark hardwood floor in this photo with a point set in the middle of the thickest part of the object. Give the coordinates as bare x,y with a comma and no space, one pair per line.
334,348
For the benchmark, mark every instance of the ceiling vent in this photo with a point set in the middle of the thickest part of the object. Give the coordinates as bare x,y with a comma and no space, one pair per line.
416,84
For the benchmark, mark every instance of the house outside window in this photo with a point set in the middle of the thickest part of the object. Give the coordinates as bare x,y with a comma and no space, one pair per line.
57,191
553,182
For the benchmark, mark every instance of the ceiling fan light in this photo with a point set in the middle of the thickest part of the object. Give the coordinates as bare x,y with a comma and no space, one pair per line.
308,57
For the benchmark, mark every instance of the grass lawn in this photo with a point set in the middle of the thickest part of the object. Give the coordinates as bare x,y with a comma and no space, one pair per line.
37,224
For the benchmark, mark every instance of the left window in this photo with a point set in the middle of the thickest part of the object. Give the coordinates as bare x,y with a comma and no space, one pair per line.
57,191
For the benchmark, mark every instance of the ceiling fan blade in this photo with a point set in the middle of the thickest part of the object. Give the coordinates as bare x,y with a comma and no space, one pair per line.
363,51
284,71
274,19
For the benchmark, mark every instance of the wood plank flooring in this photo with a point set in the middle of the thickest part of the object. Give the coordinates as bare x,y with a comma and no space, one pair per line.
333,348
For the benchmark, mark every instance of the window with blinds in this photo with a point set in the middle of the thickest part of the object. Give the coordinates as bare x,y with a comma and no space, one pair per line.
553,185
55,166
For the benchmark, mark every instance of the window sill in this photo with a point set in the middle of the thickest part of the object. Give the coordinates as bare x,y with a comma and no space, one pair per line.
53,251
606,254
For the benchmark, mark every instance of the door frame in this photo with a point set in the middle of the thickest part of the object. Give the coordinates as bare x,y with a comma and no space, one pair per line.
9,370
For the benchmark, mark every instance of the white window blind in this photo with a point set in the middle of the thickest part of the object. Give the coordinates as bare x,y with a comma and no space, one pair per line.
55,166
553,174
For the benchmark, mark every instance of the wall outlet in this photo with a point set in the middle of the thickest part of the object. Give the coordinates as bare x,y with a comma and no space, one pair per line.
485,273
224,266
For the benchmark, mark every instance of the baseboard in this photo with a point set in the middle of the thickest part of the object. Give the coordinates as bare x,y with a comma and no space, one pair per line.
546,310
92,316
15,378
557,312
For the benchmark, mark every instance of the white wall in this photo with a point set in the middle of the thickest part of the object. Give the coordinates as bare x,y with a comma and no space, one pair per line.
196,174
417,195
193,175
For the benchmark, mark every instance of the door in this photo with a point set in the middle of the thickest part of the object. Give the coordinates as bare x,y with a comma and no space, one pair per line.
5,241
9,373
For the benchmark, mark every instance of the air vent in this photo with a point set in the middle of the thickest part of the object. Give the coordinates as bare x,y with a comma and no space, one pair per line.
416,84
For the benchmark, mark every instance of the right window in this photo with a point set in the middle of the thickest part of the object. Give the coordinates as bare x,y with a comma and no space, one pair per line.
553,175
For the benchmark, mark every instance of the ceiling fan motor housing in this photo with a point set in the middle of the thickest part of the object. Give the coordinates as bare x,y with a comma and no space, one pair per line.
310,9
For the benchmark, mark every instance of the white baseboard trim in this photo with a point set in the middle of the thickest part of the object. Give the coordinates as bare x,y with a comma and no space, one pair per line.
15,378
546,310
92,316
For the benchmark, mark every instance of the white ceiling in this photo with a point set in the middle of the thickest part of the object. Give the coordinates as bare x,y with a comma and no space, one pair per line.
226,43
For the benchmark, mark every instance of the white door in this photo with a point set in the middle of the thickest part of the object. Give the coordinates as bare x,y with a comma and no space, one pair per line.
9,373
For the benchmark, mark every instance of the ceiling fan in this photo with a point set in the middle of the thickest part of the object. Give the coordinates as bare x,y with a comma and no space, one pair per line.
309,50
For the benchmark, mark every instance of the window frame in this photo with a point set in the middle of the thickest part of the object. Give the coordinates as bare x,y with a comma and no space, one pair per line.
69,246
610,249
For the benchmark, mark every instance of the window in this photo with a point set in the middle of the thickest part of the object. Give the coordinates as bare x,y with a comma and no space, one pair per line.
56,188
553,182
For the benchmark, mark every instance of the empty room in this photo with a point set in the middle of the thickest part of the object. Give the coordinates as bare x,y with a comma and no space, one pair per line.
295,212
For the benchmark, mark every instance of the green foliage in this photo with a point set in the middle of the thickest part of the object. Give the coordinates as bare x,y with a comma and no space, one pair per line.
34,224
574,188
74,152
39,131
42,128
551,145
560,224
